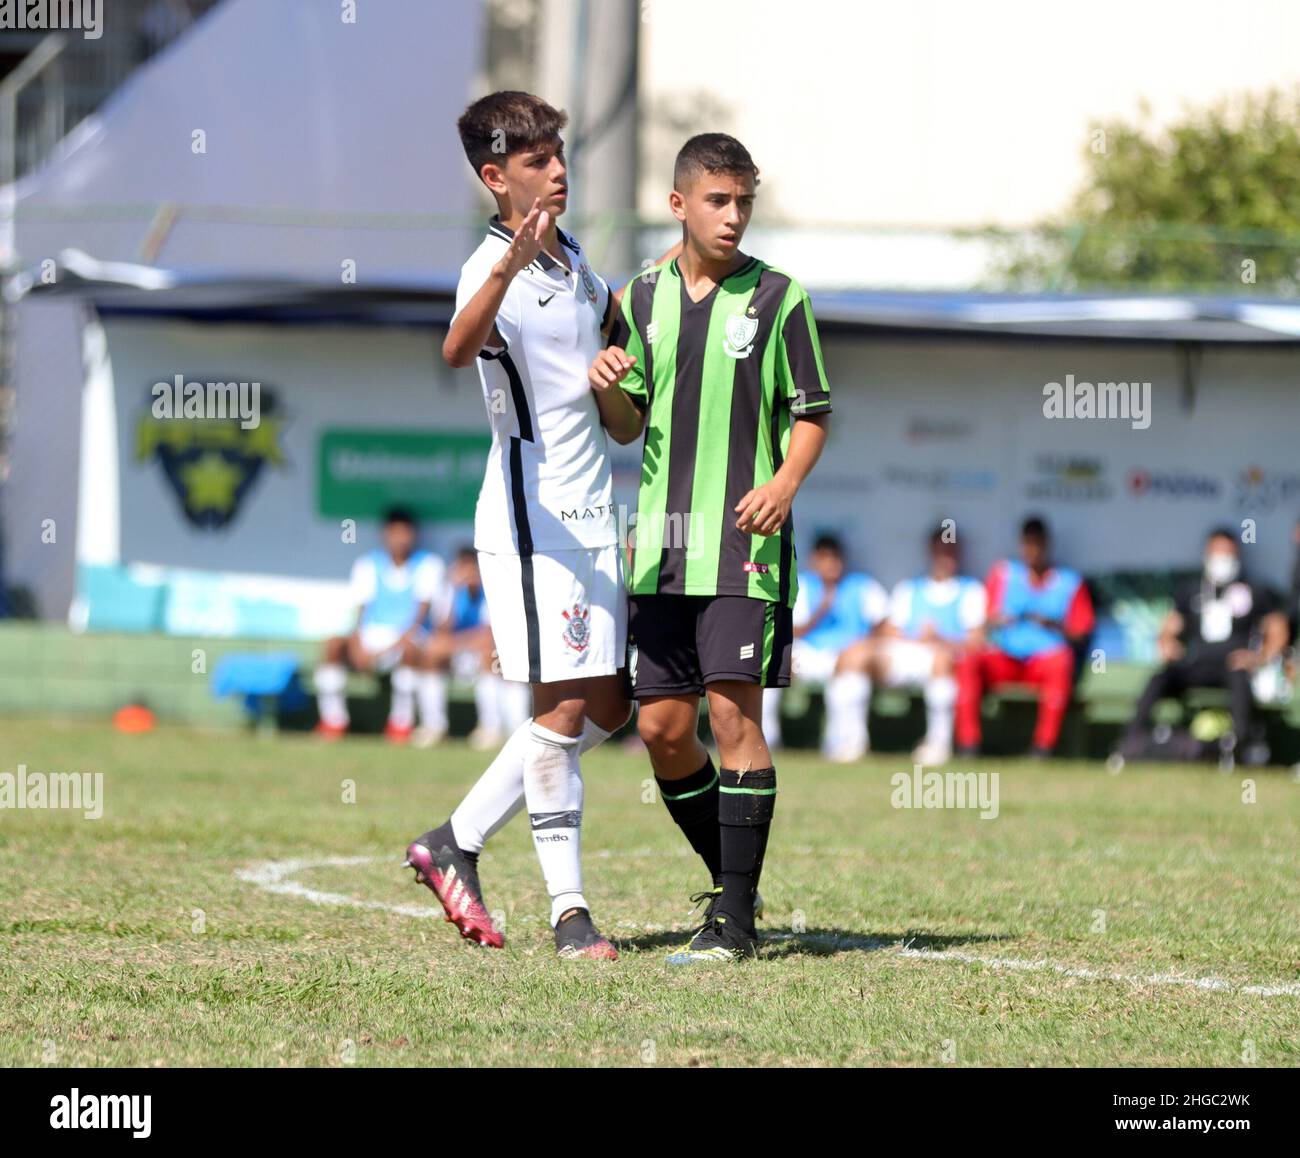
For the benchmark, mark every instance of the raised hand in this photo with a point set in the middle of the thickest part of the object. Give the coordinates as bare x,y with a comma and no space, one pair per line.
527,243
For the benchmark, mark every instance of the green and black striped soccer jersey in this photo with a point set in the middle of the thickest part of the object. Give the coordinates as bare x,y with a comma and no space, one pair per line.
721,381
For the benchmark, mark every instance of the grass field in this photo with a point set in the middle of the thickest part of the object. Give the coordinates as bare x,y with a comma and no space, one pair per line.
1064,932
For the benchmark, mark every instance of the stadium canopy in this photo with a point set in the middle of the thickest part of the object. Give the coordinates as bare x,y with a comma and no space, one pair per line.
274,137
326,148
426,299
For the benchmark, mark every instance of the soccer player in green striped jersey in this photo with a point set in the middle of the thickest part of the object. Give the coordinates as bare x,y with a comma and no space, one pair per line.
715,356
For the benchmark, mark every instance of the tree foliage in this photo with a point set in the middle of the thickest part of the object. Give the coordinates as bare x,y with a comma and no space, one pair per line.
1211,201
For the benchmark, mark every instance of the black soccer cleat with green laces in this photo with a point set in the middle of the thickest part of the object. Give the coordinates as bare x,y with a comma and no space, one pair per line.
714,895
719,941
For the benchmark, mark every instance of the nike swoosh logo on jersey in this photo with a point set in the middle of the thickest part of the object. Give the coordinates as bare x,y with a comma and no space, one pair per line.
544,301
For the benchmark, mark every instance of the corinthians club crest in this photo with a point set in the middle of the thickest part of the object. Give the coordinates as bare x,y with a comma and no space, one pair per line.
741,329
588,283
576,632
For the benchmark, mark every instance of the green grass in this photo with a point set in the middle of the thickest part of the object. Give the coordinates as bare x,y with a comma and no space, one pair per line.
102,964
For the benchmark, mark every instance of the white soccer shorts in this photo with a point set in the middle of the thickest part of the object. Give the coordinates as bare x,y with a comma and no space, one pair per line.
377,640
908,661
557,615
814,664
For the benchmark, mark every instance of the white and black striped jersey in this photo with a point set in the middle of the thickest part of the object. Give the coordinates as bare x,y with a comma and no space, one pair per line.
547,486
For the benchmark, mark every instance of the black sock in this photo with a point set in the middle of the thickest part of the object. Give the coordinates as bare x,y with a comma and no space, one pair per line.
445,834
745,805
693,804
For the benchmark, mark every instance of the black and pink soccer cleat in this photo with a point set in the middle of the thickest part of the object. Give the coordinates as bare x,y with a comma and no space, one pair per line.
453,878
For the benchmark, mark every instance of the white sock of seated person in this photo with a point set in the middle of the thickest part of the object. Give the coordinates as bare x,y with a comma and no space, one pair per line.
553,794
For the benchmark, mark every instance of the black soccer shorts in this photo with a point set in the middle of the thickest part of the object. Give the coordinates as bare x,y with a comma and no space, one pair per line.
677,644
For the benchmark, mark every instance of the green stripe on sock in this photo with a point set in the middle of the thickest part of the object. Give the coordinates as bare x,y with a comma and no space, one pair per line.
697,792
750,791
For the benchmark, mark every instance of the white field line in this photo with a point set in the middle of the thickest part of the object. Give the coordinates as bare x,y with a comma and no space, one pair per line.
1285,989
276,876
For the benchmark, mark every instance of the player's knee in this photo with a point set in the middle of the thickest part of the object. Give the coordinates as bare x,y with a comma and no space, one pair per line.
854,658
661,733
727,722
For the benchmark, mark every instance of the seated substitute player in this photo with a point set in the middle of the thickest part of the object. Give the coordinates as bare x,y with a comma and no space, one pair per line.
718,360
531,314
461,643
834,615
393,588
1208,641
1036,615
932,619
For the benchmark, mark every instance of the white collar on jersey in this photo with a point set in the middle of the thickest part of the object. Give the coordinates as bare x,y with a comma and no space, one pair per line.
544,260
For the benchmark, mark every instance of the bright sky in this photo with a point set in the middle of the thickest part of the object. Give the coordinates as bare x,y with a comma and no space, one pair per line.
944,112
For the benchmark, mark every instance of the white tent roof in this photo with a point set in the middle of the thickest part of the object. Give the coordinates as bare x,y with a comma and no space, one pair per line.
325,141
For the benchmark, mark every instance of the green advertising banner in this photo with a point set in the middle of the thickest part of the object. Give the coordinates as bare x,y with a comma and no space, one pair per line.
437,473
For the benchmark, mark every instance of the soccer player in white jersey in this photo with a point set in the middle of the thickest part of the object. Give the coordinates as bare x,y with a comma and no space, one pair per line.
532,315
392,588
932,618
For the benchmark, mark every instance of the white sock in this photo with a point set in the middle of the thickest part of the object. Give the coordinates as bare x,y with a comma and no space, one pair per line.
487,691
432,690
516,700
940,697
772,717
593,736
331,680
402,710
496,796
499,793
847,698
553,793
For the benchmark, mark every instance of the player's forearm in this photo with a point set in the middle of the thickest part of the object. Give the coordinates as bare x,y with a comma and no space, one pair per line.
472,327
421,615
807,441
619,415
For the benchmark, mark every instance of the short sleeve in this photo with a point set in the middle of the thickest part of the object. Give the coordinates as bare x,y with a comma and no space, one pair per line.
626,335
802,611
473,276
974,605
800,373
607,308
428,579
440,608
875,602
364,583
